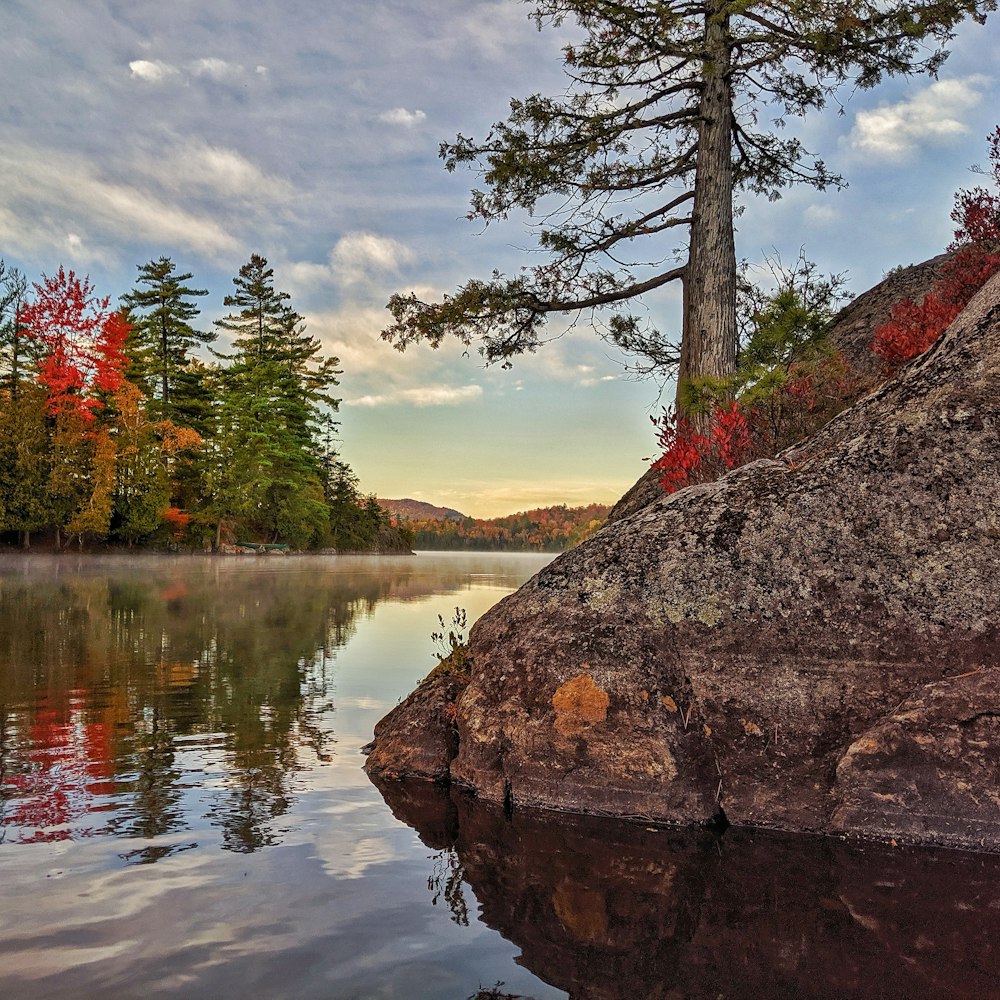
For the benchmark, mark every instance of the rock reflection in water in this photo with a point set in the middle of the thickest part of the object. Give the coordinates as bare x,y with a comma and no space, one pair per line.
608,910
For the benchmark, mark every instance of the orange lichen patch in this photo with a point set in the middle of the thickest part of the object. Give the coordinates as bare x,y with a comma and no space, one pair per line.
582,911
579,703
644,695
669,704
751,728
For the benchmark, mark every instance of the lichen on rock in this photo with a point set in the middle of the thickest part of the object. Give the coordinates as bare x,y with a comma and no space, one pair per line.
785,611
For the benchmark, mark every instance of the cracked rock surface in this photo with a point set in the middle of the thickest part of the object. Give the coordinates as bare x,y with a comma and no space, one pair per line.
808,643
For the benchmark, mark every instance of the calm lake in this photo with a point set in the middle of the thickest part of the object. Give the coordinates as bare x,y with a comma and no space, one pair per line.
183,813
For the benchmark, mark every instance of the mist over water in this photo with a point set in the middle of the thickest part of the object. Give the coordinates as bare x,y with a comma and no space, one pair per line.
182,805
183,813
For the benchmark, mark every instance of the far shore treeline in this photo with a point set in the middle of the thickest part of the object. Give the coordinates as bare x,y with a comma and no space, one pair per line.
546,529
123,426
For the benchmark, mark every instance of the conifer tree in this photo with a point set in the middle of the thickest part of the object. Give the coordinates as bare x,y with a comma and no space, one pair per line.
161,313
630,176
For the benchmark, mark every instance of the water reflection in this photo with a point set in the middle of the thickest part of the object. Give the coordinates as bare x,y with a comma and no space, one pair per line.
160,697
608,911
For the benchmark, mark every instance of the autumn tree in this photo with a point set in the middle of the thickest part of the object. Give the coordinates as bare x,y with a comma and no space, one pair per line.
162,311
630,176
80,340
25,463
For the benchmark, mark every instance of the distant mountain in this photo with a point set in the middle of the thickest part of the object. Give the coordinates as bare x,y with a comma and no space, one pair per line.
417,510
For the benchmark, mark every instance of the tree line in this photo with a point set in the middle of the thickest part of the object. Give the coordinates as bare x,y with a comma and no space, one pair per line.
124,425
546,529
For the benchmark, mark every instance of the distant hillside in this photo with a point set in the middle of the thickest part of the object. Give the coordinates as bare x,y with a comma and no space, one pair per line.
417,510
546,529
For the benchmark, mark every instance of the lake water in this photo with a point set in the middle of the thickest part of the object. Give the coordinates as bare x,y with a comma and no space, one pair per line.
183,813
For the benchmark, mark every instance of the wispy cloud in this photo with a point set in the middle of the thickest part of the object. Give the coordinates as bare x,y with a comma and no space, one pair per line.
400,116
215,69
63,196
430,395
220,171
935,114
356,254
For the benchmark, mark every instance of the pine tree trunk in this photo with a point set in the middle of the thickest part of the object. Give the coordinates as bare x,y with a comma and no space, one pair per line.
708,345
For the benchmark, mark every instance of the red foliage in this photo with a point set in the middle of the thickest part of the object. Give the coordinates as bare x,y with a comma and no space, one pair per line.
83,341
726,444
913,327
176,521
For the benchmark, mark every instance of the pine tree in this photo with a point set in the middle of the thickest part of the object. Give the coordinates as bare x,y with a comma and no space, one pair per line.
16,351
161,313
657,132
260,328
273,396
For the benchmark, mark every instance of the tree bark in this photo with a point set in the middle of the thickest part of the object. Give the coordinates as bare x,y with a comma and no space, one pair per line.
708,346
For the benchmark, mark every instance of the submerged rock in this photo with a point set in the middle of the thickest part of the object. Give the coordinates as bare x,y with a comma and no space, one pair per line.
808,643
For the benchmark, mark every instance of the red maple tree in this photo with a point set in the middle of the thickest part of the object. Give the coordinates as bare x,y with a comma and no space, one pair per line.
83,343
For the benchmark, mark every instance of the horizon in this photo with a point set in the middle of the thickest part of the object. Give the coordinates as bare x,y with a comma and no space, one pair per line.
196,134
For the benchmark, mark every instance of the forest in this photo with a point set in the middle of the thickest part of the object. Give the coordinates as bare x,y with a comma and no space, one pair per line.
546,529
124,426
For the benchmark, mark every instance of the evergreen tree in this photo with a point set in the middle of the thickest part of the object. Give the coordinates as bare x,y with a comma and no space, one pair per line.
273,396
161,313
15,349
658,129
259,330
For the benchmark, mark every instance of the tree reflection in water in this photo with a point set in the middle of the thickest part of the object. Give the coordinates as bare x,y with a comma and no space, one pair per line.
140,701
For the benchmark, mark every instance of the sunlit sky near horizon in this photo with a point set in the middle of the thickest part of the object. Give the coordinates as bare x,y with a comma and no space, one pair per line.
308,131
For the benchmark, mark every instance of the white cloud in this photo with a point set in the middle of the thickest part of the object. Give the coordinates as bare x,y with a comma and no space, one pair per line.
357,253
590,382
215,69
152,71
932,115
820,215
432,395
400,116
212,168
357,259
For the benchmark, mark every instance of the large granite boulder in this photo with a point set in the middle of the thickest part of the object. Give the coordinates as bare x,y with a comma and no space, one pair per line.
809,643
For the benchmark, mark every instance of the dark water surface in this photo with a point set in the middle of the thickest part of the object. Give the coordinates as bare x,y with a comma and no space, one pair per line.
183,814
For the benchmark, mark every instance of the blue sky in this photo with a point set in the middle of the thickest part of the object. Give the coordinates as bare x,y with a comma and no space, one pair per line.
308,131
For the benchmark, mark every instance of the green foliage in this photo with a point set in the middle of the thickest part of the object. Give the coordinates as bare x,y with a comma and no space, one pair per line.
162,337
187,452
546,529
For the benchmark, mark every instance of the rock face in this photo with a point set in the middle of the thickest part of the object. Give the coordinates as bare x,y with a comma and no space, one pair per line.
851,335
810,643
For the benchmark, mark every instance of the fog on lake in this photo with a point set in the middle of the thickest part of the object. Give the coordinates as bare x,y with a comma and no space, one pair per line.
183,813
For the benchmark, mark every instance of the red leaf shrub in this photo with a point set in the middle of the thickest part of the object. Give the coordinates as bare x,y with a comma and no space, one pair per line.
913,327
